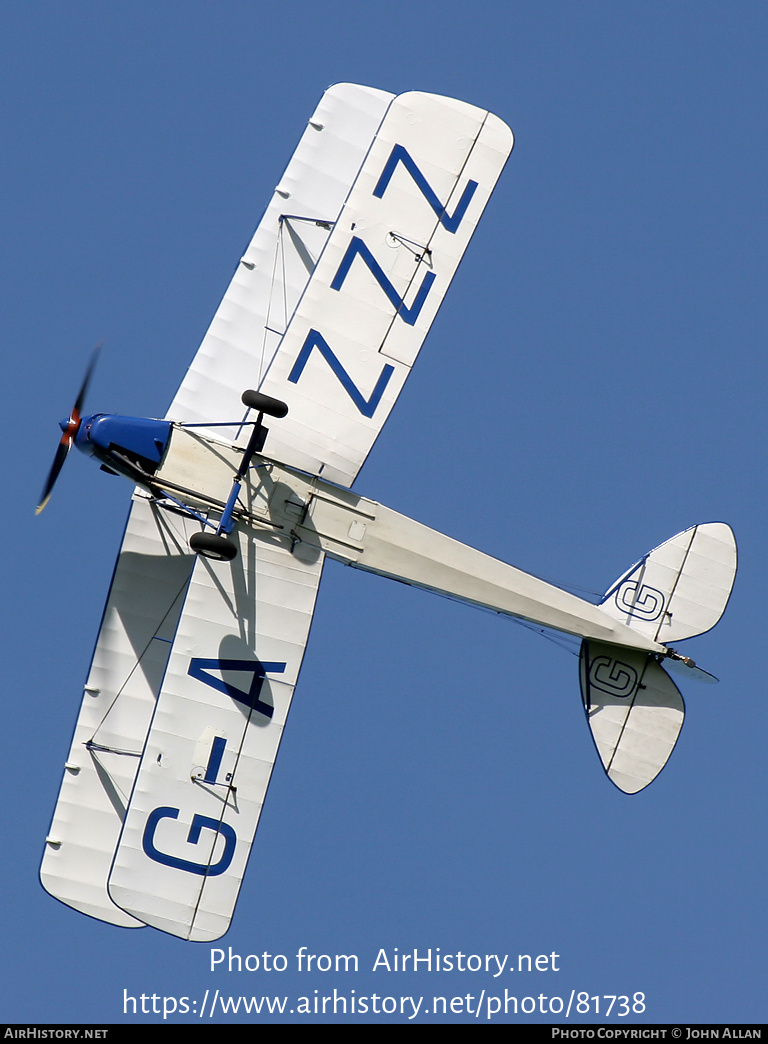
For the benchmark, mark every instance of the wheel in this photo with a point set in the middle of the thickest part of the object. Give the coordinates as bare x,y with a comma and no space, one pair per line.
209,545
264,403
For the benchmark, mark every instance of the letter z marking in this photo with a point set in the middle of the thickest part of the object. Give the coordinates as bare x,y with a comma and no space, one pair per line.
357,247
400,154
366,406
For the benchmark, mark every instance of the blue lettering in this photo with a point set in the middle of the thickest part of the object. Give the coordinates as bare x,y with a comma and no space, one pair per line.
357,247
199,823
639,600
400,154
366,406
198,669
214,759
612,676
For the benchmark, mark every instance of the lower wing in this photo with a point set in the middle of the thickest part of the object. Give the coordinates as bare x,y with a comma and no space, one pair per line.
148,588
214,736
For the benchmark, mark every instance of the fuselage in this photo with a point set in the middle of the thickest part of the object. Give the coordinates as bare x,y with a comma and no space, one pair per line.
187,468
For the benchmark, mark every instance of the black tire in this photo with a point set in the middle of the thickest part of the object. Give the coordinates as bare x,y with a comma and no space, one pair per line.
264,403
209,545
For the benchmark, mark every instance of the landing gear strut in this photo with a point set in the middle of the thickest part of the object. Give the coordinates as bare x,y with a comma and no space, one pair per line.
217,545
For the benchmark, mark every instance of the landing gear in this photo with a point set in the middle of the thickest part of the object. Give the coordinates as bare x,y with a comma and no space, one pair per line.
211,545
264,403
217,545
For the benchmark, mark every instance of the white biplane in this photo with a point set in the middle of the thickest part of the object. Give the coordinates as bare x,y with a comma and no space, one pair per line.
213,592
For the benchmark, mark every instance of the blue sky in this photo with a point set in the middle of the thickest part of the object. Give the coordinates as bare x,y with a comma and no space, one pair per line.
593,383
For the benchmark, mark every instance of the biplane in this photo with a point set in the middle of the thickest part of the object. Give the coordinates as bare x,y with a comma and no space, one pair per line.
244,490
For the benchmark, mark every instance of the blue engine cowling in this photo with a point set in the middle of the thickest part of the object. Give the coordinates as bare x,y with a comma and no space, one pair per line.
124,443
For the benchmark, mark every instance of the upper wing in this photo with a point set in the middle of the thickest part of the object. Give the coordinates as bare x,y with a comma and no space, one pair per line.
272,274
352,332
214,736
327,311
140,617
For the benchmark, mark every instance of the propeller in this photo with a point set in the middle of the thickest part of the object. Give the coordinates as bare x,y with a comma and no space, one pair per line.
69,427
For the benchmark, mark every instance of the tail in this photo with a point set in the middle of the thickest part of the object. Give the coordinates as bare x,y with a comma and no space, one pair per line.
634,709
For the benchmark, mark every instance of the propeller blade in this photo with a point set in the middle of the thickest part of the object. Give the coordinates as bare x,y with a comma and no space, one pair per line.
70,430
58,463
86,381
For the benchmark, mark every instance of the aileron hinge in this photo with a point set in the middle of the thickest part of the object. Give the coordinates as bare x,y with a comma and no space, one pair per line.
420,252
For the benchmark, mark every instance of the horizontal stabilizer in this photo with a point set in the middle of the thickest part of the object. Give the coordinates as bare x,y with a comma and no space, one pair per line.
679,589
688,669
634,709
